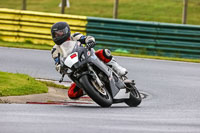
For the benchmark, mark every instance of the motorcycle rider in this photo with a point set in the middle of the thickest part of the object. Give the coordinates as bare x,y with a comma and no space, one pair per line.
60,33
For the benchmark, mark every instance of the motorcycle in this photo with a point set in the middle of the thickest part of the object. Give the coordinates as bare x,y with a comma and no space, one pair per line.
100,82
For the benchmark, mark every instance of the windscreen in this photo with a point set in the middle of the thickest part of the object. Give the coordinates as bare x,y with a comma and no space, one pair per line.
67,47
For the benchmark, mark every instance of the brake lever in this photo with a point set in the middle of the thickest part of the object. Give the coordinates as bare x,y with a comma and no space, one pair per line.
61,79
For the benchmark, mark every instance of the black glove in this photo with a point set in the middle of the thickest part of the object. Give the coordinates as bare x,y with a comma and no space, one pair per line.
91,44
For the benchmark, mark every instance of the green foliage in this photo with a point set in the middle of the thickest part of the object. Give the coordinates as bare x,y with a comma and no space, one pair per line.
19,84
148,10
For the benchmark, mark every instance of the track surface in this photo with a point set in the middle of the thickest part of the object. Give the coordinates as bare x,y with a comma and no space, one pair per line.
173,104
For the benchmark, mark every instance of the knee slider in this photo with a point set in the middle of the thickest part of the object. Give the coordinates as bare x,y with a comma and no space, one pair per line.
107,53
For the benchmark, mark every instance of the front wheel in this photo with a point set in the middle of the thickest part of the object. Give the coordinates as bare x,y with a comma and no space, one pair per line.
100,95
135,97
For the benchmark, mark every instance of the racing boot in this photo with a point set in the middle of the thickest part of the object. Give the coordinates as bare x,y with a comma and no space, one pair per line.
74,92
121,71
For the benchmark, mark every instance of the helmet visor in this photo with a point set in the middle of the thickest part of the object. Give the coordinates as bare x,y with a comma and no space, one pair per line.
60,33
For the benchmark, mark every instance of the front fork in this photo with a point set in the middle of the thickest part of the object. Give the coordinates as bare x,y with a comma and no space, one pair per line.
127,82
94,76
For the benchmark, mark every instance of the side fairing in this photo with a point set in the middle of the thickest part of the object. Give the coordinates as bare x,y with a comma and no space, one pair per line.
95,60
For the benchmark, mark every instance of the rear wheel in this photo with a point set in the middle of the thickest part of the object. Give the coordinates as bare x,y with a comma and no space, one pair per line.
135,97
99,94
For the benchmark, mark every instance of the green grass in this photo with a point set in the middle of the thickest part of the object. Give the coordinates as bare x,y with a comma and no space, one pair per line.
148,10
19,84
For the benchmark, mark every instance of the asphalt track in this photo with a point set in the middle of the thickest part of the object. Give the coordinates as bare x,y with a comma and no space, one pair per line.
172,105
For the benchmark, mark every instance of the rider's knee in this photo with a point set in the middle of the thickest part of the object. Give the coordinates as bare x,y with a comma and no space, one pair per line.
104,55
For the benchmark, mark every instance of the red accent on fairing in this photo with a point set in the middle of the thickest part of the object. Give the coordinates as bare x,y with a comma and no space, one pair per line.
74,92
99,54
74,55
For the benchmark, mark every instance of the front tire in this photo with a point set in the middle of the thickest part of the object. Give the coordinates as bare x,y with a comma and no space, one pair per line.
99,98
135,97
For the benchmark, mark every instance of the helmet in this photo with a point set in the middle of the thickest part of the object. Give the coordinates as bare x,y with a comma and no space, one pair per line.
60,32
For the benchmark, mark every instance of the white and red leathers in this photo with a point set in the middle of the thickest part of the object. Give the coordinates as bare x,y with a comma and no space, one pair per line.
103,54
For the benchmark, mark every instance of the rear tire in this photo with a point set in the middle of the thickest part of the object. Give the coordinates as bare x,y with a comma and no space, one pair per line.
135,97
102,100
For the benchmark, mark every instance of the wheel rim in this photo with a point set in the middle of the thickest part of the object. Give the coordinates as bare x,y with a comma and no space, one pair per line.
100,89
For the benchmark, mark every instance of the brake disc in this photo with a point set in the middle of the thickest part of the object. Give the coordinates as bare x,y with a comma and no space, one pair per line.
99,88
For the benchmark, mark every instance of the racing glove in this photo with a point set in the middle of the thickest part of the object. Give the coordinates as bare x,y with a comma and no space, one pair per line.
90,44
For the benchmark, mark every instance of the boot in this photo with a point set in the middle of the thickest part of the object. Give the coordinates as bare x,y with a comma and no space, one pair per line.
117,68
74,92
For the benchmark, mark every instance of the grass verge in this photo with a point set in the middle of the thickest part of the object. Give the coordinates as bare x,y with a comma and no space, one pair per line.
20,84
